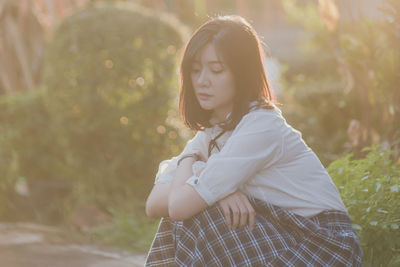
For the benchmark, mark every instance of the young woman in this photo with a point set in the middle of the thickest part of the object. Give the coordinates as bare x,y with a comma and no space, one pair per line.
246,190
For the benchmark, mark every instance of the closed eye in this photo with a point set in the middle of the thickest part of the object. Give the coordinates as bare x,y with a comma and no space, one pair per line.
216,67
217,71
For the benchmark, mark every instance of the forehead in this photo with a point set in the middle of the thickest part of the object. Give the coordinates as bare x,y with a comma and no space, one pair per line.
208,54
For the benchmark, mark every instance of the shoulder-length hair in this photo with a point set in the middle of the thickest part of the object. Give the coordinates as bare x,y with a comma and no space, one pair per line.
237,43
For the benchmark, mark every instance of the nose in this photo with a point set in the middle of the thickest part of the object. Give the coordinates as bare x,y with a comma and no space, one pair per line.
203,79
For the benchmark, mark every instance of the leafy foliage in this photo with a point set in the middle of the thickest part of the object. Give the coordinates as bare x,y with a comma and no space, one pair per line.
130,230
29,156
351,99
103,120
110,80
370,190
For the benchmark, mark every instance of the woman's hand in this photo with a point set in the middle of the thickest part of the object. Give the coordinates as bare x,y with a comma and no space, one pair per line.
237,203
242,210
201,156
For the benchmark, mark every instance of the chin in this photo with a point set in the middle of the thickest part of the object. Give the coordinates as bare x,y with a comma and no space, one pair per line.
206,107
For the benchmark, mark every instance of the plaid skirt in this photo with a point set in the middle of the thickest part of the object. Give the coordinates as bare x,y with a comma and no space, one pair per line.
279,238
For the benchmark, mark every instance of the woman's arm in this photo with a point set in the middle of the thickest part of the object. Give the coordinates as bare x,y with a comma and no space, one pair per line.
183,200
235,203
157,201
256,143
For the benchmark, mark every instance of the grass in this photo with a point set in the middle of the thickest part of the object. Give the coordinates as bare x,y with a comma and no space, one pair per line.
130,230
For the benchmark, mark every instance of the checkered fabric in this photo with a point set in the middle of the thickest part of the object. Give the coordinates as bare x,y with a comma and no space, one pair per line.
279,238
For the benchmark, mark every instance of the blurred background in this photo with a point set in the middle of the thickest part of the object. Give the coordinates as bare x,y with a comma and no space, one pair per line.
89,97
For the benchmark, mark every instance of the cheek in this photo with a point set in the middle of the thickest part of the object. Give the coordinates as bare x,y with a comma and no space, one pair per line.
193,79
229,86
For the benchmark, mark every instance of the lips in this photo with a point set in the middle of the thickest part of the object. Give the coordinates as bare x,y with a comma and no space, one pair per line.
204,96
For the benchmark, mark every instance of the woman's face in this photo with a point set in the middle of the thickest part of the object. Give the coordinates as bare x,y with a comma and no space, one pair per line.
213,82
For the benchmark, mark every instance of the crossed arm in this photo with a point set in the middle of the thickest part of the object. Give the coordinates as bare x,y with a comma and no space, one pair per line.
171,200
256,143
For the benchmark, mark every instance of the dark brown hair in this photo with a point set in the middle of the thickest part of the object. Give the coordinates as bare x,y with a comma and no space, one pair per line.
238,44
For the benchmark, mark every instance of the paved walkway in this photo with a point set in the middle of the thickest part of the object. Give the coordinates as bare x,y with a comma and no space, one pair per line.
32,245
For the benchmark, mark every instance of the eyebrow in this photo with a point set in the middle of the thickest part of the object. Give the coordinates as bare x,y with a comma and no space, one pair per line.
210,62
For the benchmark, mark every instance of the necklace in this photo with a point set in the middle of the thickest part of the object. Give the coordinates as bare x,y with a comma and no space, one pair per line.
213,143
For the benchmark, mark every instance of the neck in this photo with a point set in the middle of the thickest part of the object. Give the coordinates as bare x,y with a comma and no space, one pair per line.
220,117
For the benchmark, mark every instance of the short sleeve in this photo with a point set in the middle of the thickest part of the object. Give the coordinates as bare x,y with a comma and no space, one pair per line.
255,144
167,168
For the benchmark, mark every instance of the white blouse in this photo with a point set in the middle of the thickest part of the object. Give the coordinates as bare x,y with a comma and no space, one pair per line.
265,158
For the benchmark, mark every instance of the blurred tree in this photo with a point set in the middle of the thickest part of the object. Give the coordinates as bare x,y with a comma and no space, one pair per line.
24,25
103,120
21,47
352,98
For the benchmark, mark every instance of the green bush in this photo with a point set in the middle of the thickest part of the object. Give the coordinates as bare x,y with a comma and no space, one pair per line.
29,155
370,190
317,108
111,80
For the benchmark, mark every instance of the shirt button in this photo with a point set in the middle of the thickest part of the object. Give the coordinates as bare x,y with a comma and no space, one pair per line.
195,181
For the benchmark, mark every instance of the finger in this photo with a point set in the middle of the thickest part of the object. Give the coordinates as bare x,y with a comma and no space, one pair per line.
243,212
235,215
252,215
250,210
227,214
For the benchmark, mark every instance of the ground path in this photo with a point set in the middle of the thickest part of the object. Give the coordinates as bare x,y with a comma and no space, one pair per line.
32,245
